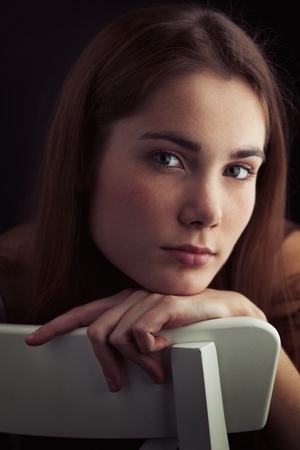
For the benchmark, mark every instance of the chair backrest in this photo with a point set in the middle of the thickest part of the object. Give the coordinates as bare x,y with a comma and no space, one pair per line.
219,372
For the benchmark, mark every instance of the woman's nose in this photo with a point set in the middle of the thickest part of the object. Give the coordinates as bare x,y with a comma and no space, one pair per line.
201,207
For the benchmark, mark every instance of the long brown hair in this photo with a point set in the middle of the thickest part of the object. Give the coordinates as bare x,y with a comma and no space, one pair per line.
111,78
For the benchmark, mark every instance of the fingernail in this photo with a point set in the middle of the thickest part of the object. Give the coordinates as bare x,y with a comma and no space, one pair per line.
31,336
111,385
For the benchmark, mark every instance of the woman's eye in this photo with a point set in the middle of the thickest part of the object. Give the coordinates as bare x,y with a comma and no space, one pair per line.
238,172
167,159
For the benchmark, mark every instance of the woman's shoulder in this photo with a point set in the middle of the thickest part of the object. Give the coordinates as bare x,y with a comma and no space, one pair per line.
16,247
287,276
16,242
291,226
291,248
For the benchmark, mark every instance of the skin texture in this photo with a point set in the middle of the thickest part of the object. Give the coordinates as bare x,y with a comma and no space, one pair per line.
153,195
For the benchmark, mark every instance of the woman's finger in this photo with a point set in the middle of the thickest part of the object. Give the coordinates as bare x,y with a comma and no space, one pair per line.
77,317
110,360
115,326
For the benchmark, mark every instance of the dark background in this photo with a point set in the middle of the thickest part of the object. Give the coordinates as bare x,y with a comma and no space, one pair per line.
41,39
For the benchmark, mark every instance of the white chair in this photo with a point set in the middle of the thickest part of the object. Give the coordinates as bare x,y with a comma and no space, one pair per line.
220,376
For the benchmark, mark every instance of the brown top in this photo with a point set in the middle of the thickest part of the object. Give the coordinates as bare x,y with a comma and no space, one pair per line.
284,313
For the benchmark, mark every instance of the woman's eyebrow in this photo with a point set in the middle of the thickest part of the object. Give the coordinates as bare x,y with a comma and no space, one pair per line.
246,153
175,137
181,140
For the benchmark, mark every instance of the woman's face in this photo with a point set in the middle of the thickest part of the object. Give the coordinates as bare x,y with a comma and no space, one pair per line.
175,186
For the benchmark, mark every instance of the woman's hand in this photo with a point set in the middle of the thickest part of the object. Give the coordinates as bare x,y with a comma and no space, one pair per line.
130,323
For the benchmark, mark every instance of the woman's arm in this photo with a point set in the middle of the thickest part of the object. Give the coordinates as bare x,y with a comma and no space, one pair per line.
131,324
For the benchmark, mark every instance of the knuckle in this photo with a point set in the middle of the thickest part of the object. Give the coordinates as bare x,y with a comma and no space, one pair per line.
116,340
94,333
138,329
140,332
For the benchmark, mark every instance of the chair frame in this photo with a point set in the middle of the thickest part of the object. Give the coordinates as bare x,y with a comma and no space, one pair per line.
220,377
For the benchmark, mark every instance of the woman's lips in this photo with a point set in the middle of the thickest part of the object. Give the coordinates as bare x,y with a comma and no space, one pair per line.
190,256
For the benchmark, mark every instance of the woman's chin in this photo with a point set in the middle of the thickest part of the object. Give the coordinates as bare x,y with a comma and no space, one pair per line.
179,290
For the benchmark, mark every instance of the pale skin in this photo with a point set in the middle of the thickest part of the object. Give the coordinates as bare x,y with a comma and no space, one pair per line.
175,188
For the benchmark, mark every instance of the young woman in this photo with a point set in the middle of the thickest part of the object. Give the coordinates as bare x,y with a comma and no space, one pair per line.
162,201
